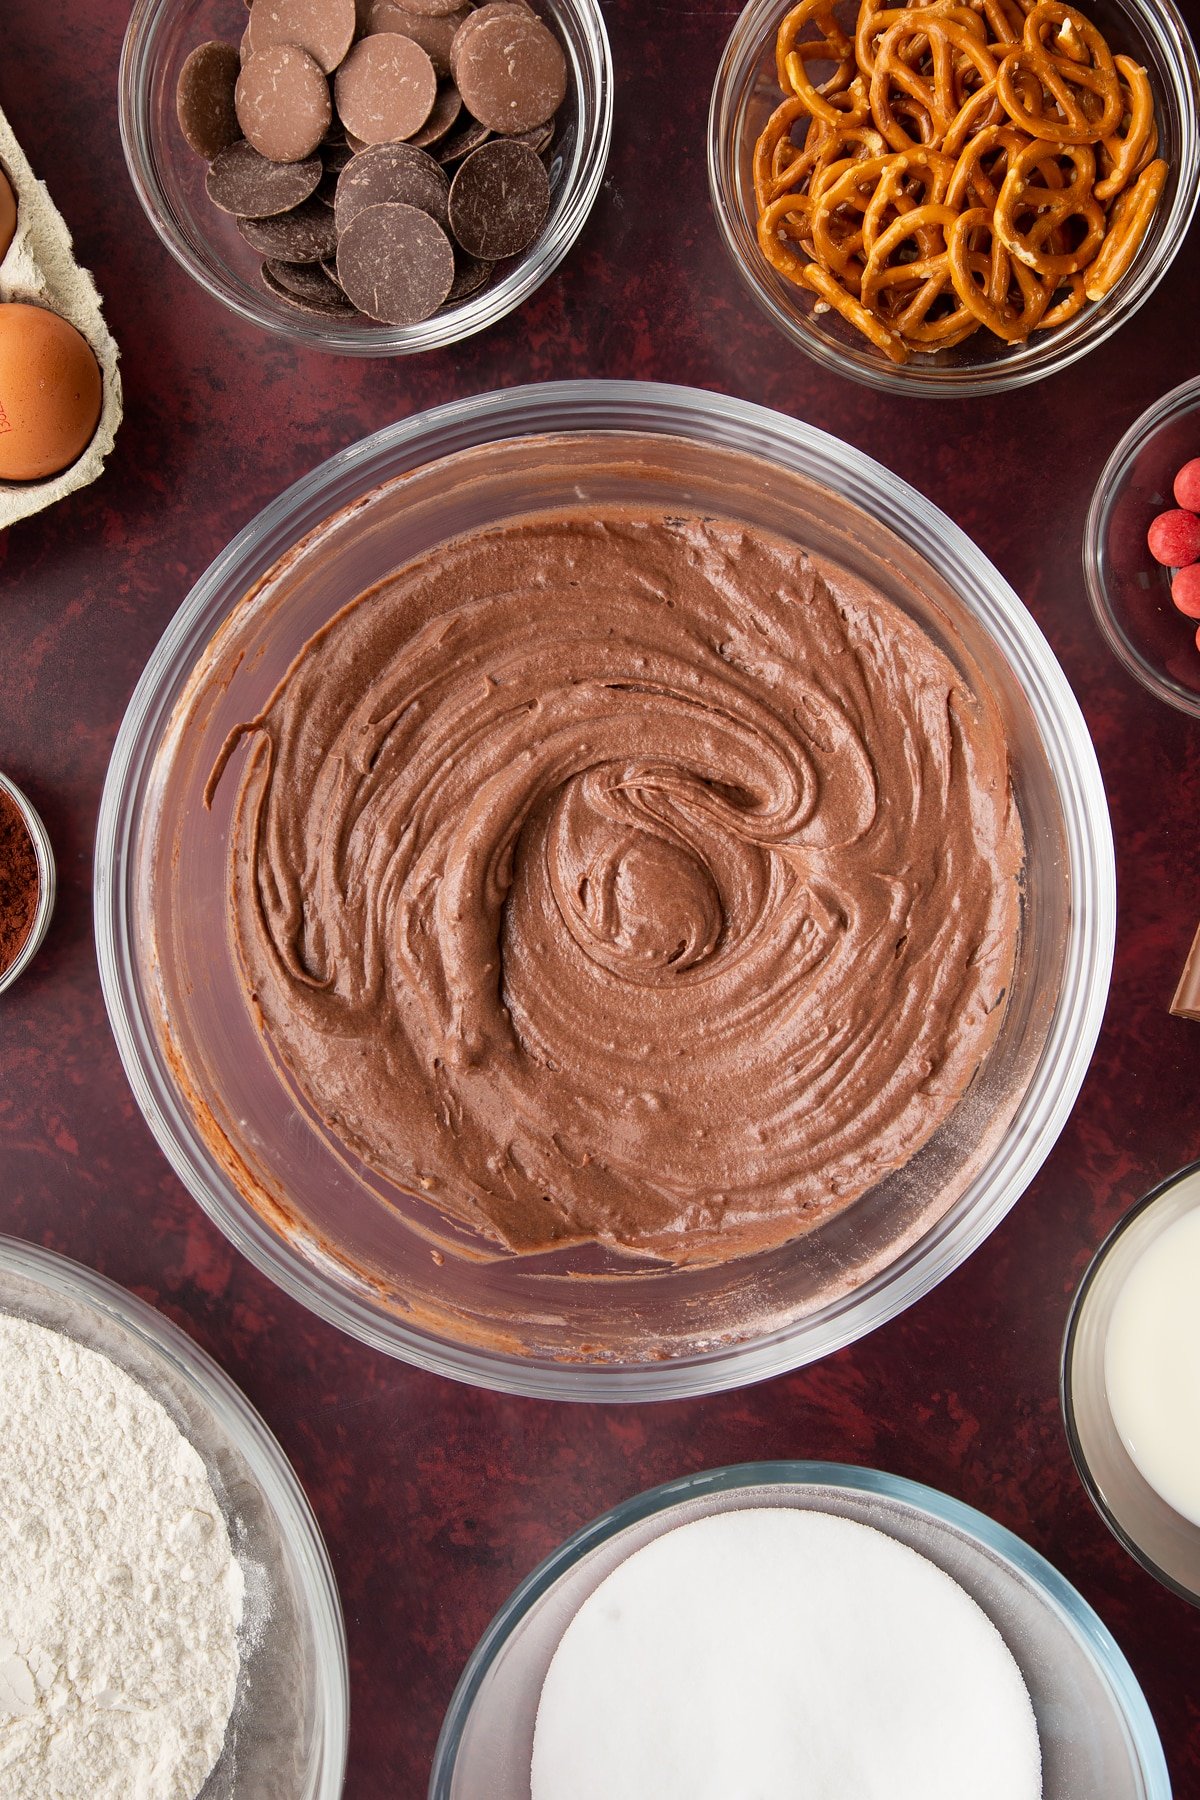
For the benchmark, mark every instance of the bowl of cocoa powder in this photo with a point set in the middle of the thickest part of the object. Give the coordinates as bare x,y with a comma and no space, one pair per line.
26,882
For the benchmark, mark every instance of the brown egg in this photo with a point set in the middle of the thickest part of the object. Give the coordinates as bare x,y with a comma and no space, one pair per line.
50,392
8,214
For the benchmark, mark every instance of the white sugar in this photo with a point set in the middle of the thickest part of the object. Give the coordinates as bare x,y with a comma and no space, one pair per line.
777,1654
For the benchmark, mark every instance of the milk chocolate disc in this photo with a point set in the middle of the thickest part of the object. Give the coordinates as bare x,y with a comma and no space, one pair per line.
204,99
492,9
385,89
510,71
306,235
434,34
242,182
447,110
392,172
499,200
497,9
460,142
435,9
282,101
396,264
324,28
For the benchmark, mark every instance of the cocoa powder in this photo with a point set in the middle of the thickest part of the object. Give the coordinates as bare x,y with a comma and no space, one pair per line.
20,883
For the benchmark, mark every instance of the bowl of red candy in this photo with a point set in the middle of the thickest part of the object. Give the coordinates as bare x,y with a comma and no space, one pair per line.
1141,549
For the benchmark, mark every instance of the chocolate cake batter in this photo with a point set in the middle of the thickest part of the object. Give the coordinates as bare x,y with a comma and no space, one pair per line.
626,878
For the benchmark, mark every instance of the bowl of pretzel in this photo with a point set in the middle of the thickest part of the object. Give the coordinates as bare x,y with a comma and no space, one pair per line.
955,197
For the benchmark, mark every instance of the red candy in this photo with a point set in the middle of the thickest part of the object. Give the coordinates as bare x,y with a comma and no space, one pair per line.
1185,590
1174,539
1187,485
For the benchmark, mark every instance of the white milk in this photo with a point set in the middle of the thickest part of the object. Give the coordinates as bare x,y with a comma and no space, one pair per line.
1152,1364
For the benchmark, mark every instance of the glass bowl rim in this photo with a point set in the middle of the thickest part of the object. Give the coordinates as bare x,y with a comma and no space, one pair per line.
1164,20
724,422
478,313
43,850
246,1429
1108,1658
1173,404
1066,1381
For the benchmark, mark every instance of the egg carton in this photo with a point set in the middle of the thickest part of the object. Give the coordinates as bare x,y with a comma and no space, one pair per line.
40,268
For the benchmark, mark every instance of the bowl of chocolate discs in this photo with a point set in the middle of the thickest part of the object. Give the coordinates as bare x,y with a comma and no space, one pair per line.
370,178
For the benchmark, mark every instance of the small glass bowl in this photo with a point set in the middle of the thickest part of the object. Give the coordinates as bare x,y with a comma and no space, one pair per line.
744,96
1130,592
46,883
1096,1732
288,1730
1162,1540
168,177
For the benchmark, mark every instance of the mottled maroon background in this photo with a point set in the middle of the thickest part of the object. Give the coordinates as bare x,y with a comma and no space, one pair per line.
435,1499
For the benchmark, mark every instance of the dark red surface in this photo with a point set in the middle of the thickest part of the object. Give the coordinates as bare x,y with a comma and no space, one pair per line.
435,1499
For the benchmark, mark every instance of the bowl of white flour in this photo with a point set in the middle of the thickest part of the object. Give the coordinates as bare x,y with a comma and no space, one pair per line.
169,1623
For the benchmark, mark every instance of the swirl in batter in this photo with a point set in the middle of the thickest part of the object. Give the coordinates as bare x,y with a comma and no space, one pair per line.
627,878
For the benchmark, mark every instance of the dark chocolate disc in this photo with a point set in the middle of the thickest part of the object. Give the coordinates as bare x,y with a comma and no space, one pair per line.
307,235
335,156
329,304
470,275
324,28
282,101
539,139
435,34
308,281
510,71
242,182
499,200
392,173
385,89
396,264
466,137
204,99
447,110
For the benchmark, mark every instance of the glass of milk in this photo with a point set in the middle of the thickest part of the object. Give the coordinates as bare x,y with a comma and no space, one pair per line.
1131,1382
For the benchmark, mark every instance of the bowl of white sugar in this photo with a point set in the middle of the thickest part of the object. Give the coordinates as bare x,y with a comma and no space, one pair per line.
1131,1382
169,1623
791,1627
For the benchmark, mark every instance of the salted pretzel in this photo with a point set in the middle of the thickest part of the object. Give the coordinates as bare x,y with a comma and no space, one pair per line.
1125,152
1049,208
1128,221
954,166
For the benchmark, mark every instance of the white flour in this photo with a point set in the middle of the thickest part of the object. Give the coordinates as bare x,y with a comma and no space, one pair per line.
119,1593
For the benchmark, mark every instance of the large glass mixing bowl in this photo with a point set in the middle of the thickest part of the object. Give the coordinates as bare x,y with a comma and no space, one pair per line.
581,1323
